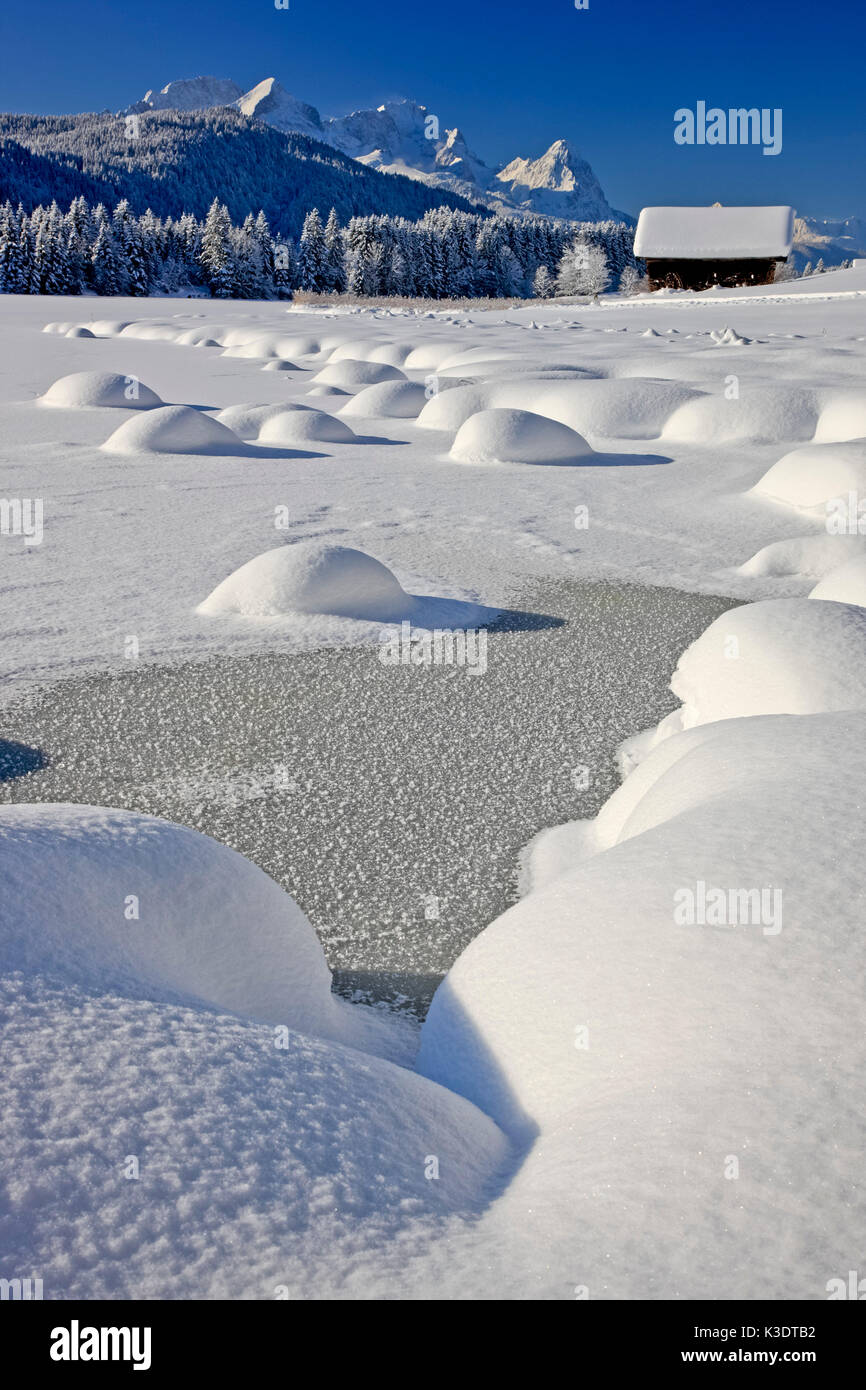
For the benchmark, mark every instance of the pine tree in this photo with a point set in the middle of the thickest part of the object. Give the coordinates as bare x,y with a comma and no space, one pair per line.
266,251
105,271
9,254
216,252
334,270
510,274
286,269
313,254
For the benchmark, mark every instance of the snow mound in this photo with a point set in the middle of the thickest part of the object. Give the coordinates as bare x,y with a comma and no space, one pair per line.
644,1049
482,361
57,327
619,408
79,331
428,356
268,345
312,577
279,364
201,337
517,436
268,1163
762,414
247,420
359,350
82,390
327,391
173,429
394,354
847,584
114,900
728,337
295,345
809,556
297,426
651,333
592,1009
107,328
389,400
817,474
151,330
780,656
351,372
842,417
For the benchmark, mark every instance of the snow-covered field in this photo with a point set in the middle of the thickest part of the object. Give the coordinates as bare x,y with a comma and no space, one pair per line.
642,1079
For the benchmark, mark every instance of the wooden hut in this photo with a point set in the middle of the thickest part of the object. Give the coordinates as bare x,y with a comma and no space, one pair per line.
696,248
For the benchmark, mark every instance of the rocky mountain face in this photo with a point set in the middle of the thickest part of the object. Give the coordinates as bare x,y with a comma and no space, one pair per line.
829,240
406,138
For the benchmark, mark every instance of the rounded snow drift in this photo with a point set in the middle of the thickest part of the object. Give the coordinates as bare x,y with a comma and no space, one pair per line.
312,577
352,372
763,414
247,420
279,364
388,400
517,436
808,557
173,429
817,474
79,331
298,426
82,390
213,926
779,656
327,391
200,337
107,328
847,584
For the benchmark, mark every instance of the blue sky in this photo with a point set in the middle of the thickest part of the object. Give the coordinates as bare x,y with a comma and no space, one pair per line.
514,76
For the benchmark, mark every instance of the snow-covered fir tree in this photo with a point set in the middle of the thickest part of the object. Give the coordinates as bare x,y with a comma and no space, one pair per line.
216,254
312,255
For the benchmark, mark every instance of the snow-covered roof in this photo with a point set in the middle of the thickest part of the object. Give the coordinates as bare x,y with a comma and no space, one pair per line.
715,233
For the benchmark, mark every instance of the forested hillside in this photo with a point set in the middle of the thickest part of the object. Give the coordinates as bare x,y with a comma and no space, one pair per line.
176,162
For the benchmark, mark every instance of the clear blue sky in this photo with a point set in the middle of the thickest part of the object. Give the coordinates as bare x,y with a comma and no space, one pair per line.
513,74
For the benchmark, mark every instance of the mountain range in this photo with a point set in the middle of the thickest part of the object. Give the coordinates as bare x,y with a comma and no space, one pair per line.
827,239
403,137
177,161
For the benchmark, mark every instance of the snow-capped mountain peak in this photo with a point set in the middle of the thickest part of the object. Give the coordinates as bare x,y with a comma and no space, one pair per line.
402,136
189,94
270,102
559,183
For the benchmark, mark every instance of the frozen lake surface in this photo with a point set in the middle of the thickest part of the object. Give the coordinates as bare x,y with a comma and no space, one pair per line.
392,802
